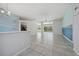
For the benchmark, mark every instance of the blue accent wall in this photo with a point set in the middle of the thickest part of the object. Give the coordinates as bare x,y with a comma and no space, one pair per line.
68,22
8,23
67,31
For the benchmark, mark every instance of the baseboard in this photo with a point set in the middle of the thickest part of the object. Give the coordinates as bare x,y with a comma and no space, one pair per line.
76,52
67,38
20,51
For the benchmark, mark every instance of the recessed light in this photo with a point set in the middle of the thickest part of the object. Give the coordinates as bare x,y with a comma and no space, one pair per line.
2,11
9,12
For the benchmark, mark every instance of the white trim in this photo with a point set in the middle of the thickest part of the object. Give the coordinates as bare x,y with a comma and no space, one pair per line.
20,51
67,39
76,52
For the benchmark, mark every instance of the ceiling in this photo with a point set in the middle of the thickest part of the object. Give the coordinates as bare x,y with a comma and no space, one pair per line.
38,11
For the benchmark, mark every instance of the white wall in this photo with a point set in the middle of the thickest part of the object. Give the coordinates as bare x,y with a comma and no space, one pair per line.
57,26
32,27
76,31
11,43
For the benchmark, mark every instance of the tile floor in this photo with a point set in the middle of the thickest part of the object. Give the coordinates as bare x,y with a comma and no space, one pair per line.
52,45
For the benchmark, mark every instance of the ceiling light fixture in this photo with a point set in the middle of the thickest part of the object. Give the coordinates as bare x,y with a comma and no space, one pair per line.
2,11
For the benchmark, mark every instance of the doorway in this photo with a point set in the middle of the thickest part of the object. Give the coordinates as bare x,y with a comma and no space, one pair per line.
45,32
